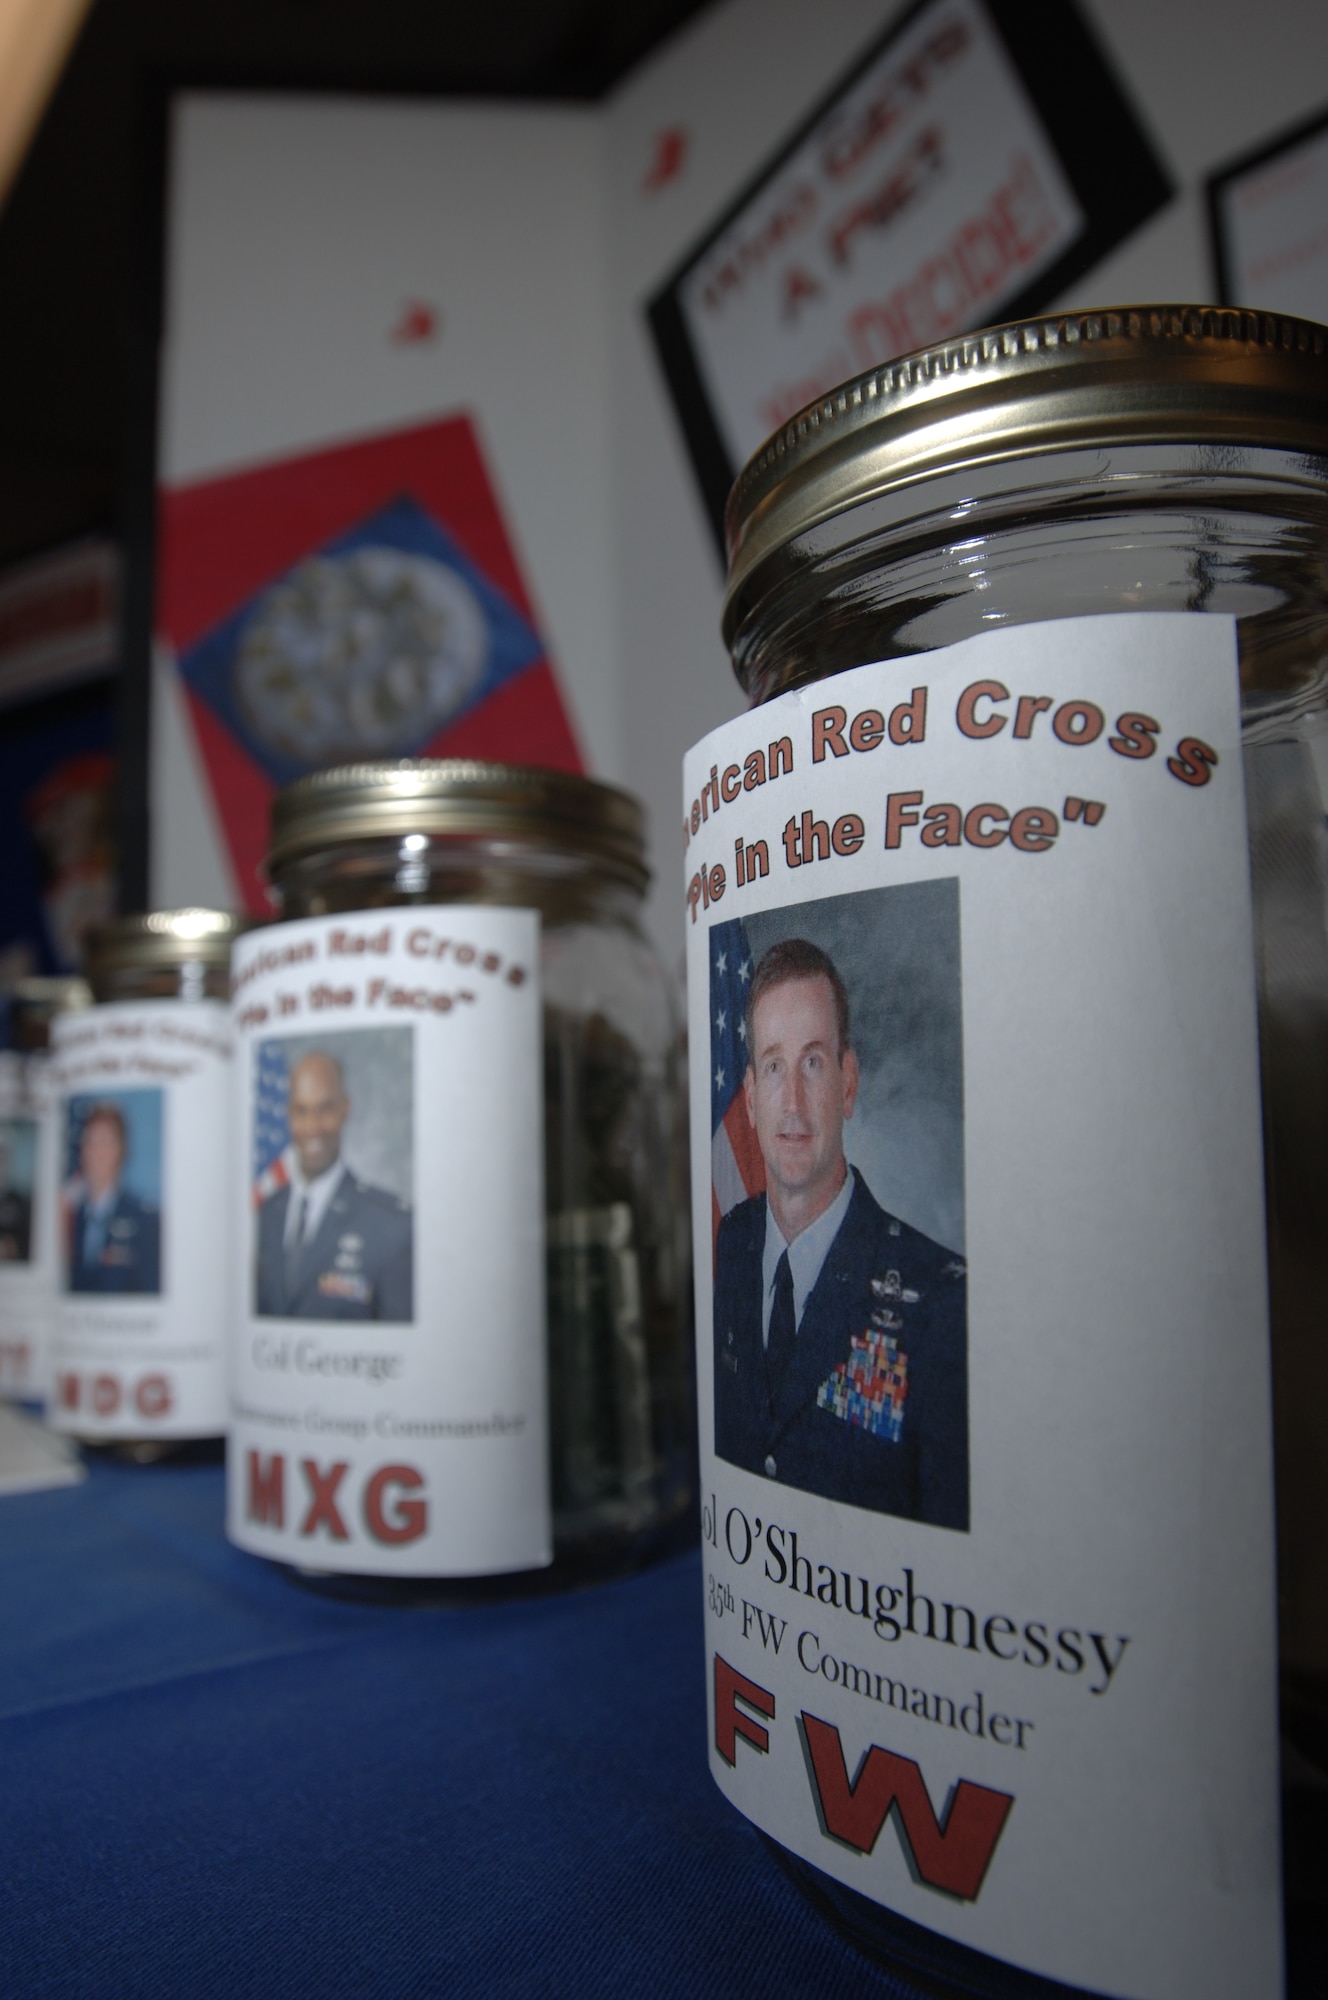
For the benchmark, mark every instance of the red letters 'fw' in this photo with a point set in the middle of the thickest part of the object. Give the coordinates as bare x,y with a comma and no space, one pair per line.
954,1857
730,1721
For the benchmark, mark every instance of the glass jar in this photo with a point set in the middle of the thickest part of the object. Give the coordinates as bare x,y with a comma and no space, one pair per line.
143,1102
164,955
29,1185
459,837
34,1004
1149,460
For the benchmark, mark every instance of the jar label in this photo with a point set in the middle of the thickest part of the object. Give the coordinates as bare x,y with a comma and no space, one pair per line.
142,1130
983,1341
389,1377
28,1233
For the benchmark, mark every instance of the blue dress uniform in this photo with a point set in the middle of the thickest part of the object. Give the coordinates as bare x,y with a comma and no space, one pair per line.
357,1265
124,1256
872,1409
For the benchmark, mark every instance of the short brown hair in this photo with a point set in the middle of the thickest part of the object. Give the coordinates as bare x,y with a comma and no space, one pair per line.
797,958
107,1114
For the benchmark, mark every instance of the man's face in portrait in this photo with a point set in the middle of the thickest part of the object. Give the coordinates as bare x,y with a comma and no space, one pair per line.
799,1089
317,1111
100,1156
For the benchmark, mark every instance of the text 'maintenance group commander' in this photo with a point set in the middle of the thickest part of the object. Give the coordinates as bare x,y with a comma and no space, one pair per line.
330,1246
840,1332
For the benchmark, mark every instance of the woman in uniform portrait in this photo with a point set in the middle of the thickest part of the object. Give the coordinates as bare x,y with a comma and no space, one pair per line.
114,1234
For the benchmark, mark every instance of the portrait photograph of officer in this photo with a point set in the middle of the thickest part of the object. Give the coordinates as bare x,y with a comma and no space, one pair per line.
840,1286
112,1193
332,1149
18,1166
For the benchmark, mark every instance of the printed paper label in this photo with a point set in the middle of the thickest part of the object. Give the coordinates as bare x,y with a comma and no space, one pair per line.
142,1139
983,1344
28,1236
390,1402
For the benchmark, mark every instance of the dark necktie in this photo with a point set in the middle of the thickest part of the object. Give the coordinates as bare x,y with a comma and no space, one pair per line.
783,1329
296,1245
94,1235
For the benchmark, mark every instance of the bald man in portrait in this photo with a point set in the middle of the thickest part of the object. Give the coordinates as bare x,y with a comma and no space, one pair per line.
840,1331
330,1246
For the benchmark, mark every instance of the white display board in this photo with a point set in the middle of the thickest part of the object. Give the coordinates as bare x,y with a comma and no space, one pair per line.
343,270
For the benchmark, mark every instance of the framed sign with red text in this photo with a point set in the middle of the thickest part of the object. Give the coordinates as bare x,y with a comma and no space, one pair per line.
1266,215
972,164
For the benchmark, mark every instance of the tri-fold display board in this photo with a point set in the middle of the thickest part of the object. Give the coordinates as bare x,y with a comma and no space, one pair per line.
451,393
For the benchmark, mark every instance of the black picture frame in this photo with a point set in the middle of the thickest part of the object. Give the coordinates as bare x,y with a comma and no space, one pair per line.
1111,164
1218,182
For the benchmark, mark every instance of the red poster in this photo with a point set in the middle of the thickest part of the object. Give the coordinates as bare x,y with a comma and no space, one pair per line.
363,601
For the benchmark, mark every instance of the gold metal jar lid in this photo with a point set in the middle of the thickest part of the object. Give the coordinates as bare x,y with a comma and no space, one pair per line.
162,940
1198,375
451,797
52,993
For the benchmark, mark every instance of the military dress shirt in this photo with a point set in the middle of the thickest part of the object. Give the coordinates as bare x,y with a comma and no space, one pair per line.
115,1245
872,1409
355,1262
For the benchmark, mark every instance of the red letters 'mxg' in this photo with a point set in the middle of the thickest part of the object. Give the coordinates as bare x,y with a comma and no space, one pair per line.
954,1857
323,1509
267,1490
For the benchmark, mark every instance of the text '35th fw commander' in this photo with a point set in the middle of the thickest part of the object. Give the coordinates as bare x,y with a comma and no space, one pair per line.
840,1332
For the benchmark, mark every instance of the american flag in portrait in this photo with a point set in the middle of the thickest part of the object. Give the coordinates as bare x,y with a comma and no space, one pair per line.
736,1167
271,1129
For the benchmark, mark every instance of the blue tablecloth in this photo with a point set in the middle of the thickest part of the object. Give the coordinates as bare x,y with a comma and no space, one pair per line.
215,1782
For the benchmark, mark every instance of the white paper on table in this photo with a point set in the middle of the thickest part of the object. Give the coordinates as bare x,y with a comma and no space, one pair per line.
33,1458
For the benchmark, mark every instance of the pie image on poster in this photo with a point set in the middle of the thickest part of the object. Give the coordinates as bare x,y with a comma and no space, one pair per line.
360,600
371,643
361,652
